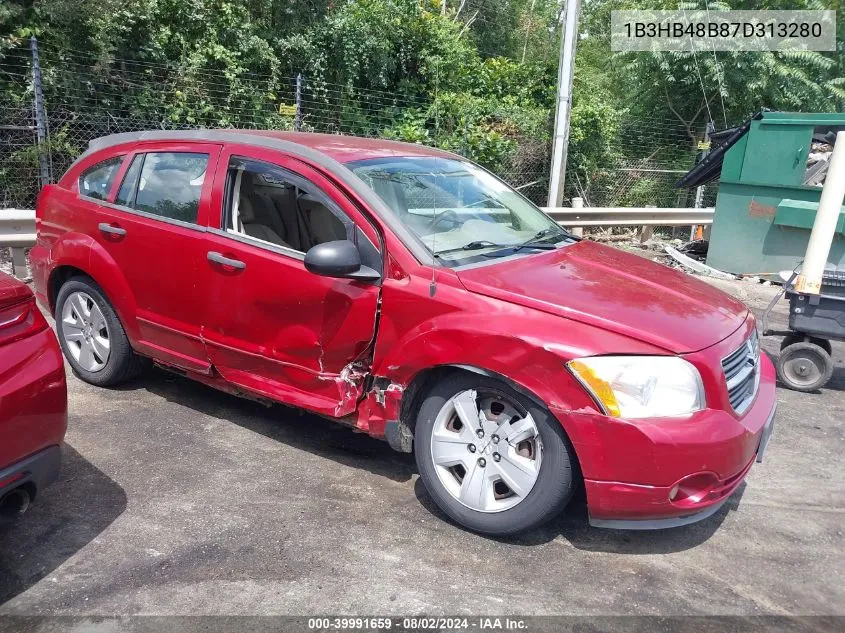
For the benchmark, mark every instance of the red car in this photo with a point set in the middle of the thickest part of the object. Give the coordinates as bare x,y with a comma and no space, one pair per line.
33,399
408,293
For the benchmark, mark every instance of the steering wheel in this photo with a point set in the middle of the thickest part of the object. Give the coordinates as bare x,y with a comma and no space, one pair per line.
448,214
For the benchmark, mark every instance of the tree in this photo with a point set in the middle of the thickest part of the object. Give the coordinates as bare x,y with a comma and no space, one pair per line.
729,86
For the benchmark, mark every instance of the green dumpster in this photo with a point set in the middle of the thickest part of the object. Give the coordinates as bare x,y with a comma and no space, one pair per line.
772,168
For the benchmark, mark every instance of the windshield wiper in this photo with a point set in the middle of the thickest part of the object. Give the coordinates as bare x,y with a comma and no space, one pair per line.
533,243
479,244
474,246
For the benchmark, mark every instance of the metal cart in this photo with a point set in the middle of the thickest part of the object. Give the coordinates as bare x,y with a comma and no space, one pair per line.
805,362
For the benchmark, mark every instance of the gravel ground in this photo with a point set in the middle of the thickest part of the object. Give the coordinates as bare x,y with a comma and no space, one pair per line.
177,499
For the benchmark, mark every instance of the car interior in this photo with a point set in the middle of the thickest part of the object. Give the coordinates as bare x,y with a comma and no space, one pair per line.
281,213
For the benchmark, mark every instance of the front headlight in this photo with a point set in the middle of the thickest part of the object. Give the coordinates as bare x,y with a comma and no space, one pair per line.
641,386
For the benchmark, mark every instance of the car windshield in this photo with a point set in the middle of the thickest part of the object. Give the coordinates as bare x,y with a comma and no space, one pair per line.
459,211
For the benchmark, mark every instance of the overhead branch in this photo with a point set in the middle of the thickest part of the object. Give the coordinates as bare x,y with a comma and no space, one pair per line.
687,123
468,23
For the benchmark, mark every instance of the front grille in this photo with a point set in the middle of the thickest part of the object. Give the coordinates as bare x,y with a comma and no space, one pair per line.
742,373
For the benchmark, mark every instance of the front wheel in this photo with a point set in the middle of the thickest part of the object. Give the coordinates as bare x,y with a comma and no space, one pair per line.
490,458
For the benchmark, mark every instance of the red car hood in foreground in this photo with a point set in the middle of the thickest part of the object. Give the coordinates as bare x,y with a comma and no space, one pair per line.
12,291
617,291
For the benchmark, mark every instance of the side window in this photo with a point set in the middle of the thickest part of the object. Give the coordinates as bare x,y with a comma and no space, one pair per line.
126,193
170,184
270,204
96,181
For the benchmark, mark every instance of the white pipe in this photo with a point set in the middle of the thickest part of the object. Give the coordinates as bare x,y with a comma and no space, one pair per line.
577,203
824,227
566,72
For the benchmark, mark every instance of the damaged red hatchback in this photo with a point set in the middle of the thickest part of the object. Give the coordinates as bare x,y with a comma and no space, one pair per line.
409,293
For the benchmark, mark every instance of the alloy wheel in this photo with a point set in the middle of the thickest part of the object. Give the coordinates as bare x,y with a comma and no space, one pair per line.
486,450
85,332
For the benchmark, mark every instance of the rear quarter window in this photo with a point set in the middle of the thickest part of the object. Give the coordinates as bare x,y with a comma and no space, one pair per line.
96,181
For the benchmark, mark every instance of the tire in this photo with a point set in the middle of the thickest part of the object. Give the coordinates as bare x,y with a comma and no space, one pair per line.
120,363
496,509
797,337
804,366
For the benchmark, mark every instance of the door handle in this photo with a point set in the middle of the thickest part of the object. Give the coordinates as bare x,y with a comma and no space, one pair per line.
219,258
111,230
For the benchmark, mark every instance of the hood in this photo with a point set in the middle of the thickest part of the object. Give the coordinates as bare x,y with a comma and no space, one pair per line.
12,291
617,291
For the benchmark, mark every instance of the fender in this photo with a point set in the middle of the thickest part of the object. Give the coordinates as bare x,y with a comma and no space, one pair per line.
533,366
534,361
89,256
528,348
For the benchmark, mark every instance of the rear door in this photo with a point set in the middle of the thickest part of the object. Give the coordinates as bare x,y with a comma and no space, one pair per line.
272,326
153,225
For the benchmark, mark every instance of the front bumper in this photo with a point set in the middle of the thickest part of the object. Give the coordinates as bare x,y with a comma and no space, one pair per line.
630,498
631,468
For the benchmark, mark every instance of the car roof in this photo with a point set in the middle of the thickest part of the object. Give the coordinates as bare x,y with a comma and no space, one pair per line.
341,148
346,149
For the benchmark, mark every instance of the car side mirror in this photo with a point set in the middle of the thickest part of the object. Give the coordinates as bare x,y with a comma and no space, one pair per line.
339,259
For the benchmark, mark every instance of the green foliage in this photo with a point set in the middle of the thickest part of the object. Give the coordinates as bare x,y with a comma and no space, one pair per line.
642,192
478,78
383,45
728,86
593,136
484,129
532,84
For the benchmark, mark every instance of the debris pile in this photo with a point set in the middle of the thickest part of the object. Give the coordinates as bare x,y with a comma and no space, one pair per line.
5,261
817,164
674,253
693,264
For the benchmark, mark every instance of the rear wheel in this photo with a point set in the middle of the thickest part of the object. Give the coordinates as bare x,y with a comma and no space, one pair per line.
490,458
804,366
92,337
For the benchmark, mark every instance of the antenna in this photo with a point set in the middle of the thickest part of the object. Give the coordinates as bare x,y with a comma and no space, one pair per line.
432,288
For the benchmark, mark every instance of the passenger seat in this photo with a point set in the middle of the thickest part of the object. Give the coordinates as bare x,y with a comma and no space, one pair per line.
324,225
255,229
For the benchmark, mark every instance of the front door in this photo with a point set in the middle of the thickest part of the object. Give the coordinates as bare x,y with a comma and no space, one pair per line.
154,229
271,326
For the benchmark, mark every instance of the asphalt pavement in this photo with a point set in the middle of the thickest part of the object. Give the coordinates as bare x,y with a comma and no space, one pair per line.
178,499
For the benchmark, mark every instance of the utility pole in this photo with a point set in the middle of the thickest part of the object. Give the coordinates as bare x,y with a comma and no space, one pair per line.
44,171
564,102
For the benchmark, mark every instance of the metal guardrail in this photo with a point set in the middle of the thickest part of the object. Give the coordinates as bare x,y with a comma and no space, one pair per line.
17,226
630,216
17,231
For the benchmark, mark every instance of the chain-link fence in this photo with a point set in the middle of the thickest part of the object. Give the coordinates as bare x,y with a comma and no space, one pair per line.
19,177
84,100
